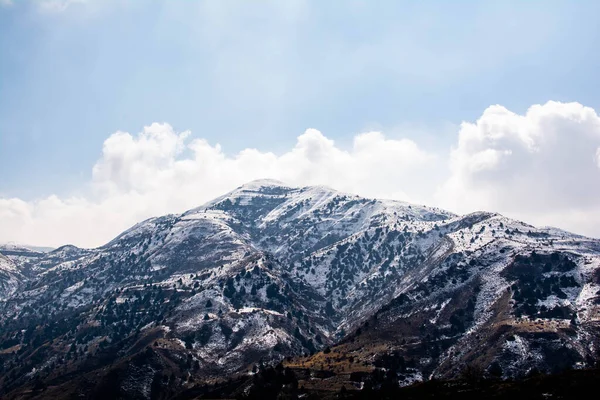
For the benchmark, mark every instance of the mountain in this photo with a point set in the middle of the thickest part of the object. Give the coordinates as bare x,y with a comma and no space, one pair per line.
23,255
14,246
322,280
10,277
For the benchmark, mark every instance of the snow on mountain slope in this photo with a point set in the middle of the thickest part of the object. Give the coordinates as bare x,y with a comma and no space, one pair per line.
268,271
24,257
10,277
494,294
14,246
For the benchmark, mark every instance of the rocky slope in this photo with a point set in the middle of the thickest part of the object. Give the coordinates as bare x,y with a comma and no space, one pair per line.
10,277
269,271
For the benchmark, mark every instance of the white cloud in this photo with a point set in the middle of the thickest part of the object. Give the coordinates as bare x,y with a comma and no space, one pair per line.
147,175
542,167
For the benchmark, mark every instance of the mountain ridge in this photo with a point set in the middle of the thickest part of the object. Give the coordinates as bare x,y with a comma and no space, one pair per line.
268,271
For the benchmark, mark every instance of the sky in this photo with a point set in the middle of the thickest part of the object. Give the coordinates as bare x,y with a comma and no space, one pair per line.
115,111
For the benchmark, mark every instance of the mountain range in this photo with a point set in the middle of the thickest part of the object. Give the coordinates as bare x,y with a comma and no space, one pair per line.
339,285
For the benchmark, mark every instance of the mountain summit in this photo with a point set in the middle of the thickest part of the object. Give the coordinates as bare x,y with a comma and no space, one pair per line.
269,272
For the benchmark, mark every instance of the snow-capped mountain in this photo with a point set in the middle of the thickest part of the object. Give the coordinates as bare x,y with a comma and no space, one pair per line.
18,247
269,271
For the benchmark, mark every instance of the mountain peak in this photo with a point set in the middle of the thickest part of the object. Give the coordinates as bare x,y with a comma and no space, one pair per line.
67,248
262,183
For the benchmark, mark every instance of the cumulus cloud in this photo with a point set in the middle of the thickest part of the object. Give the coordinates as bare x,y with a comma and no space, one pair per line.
542,167
161,171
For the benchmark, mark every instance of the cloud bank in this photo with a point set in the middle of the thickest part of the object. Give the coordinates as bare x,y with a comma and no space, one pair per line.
542,167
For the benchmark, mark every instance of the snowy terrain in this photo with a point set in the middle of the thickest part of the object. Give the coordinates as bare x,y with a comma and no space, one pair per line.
269,271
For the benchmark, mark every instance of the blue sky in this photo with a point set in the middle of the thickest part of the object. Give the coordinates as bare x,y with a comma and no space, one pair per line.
257,74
